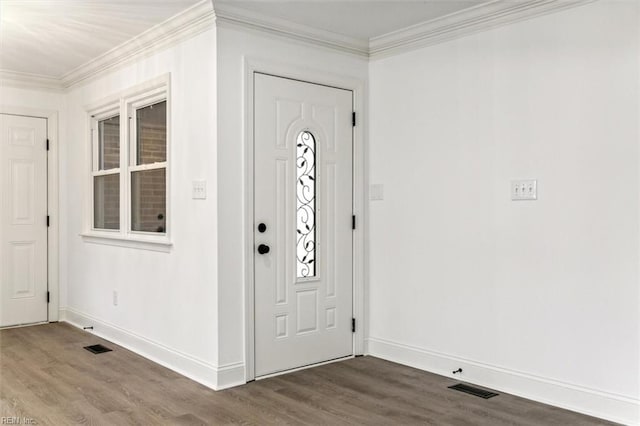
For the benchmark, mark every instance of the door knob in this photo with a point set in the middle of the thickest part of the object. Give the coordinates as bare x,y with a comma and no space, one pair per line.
262,227
263,249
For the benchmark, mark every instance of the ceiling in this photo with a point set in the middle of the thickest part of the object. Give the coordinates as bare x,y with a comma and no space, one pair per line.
61,42
361,19
53,37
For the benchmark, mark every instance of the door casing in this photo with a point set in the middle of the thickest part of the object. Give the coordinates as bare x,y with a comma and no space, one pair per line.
53,309
251,66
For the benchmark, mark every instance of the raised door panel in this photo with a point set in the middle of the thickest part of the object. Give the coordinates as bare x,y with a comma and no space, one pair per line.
22,265
22,192
21,136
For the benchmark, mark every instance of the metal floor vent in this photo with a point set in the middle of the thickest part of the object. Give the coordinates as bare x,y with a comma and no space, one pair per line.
97,349
474,391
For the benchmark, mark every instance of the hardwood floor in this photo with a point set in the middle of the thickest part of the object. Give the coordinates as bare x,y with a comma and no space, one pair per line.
47,376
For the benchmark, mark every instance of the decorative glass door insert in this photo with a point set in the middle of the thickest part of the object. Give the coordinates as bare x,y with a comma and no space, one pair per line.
306,205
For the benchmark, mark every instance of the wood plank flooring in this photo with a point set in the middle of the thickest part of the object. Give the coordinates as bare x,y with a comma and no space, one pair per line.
47,376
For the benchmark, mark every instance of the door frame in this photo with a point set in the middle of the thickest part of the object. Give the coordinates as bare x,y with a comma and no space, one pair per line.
357,86
53,231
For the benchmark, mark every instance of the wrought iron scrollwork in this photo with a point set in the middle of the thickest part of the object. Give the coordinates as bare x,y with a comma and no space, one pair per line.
306,204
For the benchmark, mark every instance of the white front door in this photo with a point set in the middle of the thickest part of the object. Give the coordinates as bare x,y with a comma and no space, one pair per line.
303,223
23,220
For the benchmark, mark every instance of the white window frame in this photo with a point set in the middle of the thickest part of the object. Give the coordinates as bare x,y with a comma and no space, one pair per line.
126,104
95,167
133,106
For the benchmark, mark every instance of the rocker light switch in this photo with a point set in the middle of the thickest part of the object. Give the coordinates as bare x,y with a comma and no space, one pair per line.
376,192
199,190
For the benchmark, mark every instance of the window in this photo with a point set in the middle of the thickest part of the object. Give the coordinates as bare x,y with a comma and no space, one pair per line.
129,152
106,175
148,169
306,205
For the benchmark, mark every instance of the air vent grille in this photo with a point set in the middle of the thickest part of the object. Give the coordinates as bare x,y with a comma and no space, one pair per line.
473,391
97,349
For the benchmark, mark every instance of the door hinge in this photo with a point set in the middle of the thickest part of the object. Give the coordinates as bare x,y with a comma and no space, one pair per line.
48,297
353,119
47,221
47,144
353,222
353,325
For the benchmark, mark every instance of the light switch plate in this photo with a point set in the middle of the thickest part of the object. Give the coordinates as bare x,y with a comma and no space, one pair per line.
376,192
199,190
524,189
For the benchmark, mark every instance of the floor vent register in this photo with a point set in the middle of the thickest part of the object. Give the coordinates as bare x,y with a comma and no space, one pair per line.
97,349
473,391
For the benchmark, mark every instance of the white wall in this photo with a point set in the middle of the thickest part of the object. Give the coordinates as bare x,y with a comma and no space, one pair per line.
31,98
537,298
234,45
167,301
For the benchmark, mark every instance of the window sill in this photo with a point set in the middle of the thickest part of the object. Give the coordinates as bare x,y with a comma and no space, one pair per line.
161,244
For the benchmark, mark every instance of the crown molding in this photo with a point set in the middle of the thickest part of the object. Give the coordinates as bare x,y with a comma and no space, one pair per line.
201,17
226,14
186,24
487,15
475,19
29,81
182,26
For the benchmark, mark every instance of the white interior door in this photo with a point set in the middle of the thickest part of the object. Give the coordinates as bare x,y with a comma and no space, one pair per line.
303,223
23,220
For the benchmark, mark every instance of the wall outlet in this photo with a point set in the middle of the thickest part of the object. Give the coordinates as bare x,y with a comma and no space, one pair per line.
524,189
115,298
199,190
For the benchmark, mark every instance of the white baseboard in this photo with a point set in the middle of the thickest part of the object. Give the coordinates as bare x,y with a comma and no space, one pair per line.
209,375
231,375
612,407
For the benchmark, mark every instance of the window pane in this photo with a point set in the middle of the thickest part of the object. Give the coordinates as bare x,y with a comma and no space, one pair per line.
306,205
106,202
151,134
148,201
109,143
